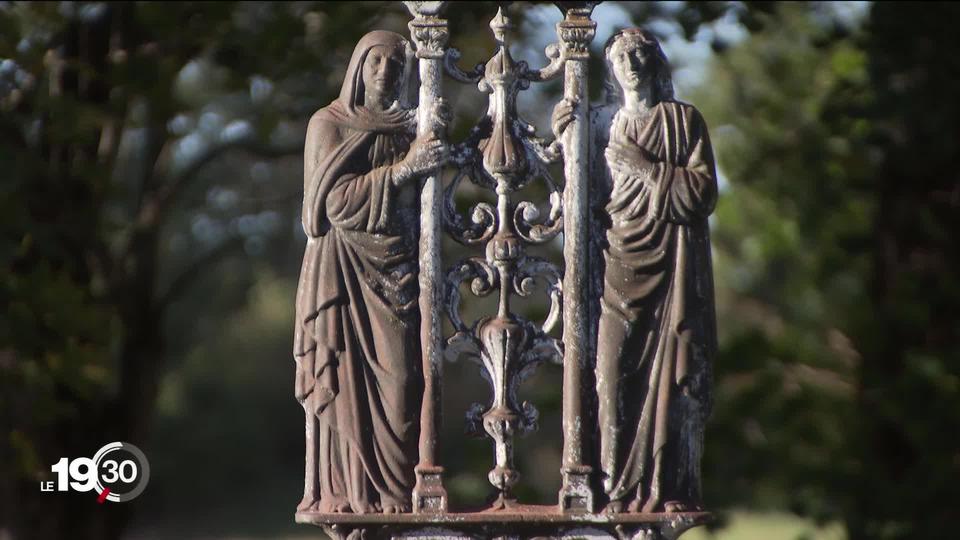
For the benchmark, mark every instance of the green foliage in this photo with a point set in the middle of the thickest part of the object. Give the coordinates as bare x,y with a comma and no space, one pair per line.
104,150
910,396
791,242
836,376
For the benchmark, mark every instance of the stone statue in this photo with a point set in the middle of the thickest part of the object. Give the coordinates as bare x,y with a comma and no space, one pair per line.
356,344
657,330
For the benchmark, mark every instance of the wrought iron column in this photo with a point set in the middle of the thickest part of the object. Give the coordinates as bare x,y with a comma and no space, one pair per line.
430,34
576,32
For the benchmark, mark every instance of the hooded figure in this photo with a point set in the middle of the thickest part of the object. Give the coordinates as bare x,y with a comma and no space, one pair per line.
356,343
657,331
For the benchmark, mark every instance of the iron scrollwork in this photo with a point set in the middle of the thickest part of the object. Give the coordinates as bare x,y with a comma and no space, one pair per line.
503,154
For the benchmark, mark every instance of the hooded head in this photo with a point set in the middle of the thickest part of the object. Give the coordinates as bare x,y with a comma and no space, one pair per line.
390,64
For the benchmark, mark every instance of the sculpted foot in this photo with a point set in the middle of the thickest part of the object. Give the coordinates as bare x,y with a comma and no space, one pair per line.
330,505
679,506
307,504
651,505
395,509
366,508
613,507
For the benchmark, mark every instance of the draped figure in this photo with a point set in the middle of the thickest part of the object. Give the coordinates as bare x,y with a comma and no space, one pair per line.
356,342
657,330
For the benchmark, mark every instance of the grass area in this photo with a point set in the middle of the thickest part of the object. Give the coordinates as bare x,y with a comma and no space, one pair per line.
774,526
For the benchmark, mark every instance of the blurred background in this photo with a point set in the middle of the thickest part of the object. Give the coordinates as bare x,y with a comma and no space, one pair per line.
150,243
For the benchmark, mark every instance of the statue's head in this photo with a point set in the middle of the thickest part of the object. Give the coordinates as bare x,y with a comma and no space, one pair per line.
379,68
635,61
382,70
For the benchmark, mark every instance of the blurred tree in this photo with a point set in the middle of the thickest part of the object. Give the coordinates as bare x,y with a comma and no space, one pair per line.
791,242
110,111
838,376
908,481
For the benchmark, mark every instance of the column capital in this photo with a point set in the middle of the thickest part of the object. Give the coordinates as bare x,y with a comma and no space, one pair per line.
576,30
428,29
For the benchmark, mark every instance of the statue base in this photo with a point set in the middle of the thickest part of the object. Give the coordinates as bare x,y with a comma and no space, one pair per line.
521,521
429,497
576,497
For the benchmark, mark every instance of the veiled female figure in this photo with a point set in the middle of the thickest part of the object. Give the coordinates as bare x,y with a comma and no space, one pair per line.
657,330
356,344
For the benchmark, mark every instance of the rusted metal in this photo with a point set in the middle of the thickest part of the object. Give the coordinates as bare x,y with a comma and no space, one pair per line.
521,521
576,32
502,154
430,34
634,296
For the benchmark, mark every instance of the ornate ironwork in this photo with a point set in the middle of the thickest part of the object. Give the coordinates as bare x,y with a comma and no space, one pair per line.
645,355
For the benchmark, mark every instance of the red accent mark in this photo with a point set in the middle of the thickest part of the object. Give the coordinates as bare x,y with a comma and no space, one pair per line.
103,495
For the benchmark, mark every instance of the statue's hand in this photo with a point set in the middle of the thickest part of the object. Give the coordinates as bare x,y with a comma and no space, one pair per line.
425,155
563,116
442,115
628,159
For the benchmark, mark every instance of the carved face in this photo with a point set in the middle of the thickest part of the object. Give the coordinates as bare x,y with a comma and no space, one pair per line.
632,64
382,69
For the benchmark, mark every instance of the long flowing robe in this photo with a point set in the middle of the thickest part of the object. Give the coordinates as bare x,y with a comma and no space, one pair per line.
356,340
657,330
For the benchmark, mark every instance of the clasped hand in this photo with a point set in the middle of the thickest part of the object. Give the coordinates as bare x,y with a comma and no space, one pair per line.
563,116
628,159
425,155
442,115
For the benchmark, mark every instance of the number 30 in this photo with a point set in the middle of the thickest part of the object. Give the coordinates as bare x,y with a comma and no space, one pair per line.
115,471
